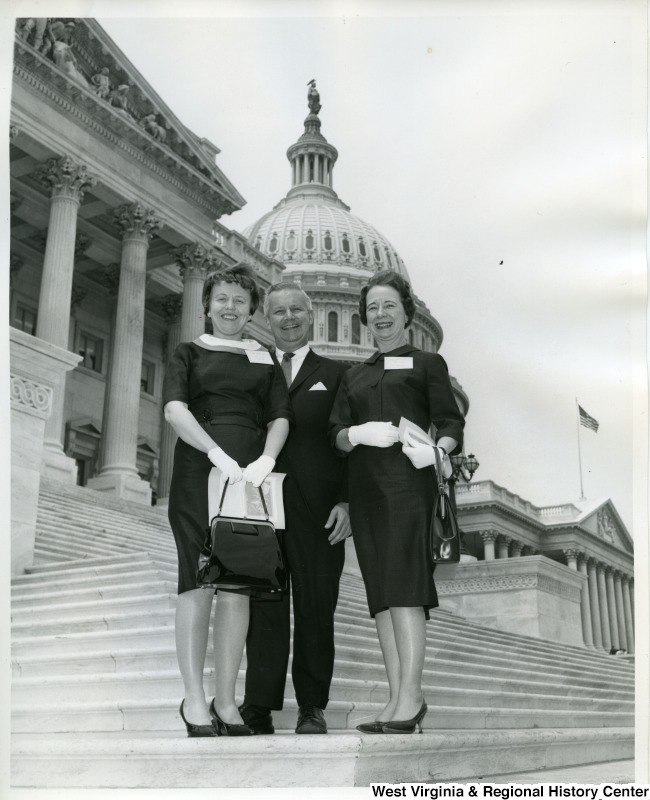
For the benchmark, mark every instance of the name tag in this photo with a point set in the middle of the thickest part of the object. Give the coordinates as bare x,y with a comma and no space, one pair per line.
259,357
398,362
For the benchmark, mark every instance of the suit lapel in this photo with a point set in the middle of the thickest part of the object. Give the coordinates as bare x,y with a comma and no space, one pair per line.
309,366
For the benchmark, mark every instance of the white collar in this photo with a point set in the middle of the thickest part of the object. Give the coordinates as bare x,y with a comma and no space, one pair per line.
241,344
301,352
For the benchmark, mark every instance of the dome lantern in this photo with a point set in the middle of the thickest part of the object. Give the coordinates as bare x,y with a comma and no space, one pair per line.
312,157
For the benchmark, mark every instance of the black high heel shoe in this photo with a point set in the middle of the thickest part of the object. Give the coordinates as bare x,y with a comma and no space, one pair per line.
372,727
228,728
406,726
198,730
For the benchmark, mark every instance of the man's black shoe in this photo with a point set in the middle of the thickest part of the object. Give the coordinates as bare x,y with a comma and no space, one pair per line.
311,720
257,718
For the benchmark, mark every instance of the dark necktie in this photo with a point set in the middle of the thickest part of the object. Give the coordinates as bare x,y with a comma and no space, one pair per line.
286,366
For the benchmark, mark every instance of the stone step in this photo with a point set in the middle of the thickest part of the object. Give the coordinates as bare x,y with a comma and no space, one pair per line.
352,661
123,534
78,644
156,713
56,547
21,590
85,563
61,611
65,619
126,759
94,622
86,571
160,683
59,493
447,631
155,583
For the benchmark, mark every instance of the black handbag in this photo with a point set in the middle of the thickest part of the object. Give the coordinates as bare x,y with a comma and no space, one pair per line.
444,536
242,552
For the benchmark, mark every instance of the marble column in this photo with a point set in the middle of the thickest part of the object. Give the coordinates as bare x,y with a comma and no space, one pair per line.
627,608
620,611
68,182
119,474
516,549
571,558
171,308
595,604
604,608
194,263
611,609
585,608
503,544
489,538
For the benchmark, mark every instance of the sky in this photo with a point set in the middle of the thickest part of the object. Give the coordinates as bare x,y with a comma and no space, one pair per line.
501,148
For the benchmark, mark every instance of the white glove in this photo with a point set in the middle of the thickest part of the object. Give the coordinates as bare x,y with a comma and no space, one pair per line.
420,455
228,467
258,470
374,434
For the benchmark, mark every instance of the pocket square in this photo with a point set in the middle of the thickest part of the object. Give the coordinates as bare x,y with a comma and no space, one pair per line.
318,387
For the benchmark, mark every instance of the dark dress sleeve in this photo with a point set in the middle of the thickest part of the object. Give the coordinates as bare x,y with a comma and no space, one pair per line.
341,414
278,403
445,414
176,383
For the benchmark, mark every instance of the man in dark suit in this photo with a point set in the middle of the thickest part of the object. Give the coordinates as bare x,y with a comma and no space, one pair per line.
316,525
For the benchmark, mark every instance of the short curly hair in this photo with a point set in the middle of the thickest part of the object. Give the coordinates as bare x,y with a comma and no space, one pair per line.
240,274
388,277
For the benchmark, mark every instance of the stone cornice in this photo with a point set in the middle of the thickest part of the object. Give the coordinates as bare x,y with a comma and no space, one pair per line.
44,77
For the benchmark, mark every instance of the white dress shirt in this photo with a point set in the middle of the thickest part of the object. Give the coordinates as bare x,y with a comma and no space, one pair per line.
296,362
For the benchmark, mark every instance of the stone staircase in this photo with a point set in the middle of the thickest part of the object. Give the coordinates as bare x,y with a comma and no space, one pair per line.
96,688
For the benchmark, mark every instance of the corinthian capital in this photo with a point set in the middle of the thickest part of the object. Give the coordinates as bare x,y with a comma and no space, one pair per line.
195,258
135,219
65,178
171,306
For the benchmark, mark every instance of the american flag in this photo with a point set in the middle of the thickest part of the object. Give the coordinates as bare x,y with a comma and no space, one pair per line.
587,420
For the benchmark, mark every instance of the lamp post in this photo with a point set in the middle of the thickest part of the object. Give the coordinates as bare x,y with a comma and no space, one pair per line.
463,468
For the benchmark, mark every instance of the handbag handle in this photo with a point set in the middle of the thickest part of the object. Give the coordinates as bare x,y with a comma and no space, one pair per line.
223,494
442,484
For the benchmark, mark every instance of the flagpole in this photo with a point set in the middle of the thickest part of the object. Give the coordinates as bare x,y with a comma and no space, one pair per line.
582,491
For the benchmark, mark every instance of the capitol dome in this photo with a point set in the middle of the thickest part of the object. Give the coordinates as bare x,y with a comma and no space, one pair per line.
314,227
331,253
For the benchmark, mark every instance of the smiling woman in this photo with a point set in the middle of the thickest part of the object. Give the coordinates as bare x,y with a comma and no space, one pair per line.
231,411
391,492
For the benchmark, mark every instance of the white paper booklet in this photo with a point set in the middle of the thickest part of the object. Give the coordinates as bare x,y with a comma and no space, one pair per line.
410,433
243,499
415,432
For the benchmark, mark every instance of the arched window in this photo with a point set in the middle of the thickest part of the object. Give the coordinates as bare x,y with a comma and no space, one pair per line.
309,240
332,327
362,248
291,242
345,243
273,244
388,259
327,241
375,250
355,325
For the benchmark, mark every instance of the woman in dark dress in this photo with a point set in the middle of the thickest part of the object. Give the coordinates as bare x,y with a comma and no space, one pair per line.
391,494
227,400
